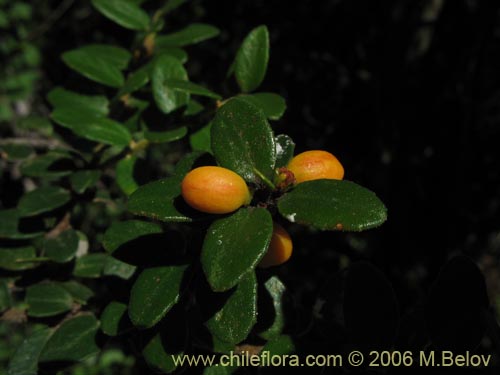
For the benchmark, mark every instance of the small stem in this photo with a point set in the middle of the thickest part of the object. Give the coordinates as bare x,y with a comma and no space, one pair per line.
264,179
30,260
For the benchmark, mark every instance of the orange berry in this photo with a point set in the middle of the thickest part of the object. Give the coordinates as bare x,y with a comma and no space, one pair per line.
314,165
214,190
280,248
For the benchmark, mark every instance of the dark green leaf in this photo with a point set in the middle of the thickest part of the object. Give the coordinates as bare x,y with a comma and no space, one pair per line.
98,129
90,265
113,55
234,245
171,5
251,60
60,98
276,290
333,205
16,152
233,322
192,34
115,267
5,295
166,136
156,200
44,165
80,293
47,299
190,88
9,222
125,174
74,340
242,140
114,313
154,293
83,180
137,79
200,140
178,53
125,13
193,108
42,200
62,249
13,258
280,345
157,354
285,148
273,105
39,124
124,231
167,67
25,359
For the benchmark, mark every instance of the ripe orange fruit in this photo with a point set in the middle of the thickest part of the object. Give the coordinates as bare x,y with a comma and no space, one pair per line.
280,248
314,165
214,190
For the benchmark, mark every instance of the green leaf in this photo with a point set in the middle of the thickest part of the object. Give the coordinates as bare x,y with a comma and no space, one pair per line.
171,5
80,293
125,13
242,140
137,79
280,345
125,174
234,245
175,52
273,105
333,205
13,259
43,199
12,151
157,200
190,88
98,129
9,222
47,299
74,340
115,267
113,55
39,124
25,358
60,98
233,322
191,34
166,136
5,295
252,58
200,140
45,165
276,290
90,265
94,67
285,147
62,249
158,355
154,293
83,180
167,67
122,232
112,317
193,108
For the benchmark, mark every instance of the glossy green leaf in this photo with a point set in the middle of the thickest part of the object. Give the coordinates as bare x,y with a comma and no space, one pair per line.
285,147
190,88
112,317
154,293
53,164
125,13
47,299
43,199
125,174
233,322
273,105
333,205
94,67
167,67
113,55
62,249
166,136
157,200
191,34
74,340
115,267
80,293
200,140
276,290
158,355
90,265
234,245
15,258
25,358
122,232
83,180
98,129
251,59
242,140
60,98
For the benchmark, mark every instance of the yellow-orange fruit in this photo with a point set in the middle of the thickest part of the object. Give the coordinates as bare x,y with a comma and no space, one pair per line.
314,165
280,248
214,190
